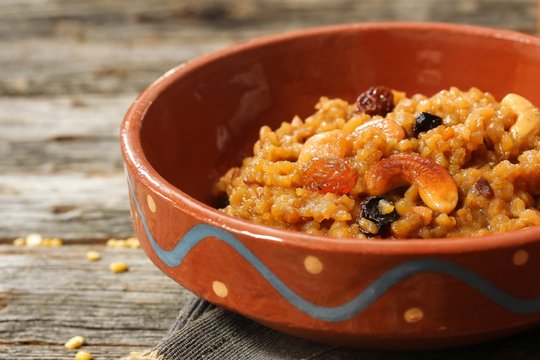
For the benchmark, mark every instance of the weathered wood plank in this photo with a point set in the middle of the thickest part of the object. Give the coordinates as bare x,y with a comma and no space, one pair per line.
70,206
48,295
63,134
61,169
90,19
65,47
52,352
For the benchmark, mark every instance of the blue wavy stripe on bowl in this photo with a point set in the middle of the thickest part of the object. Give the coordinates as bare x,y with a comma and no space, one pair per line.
359,303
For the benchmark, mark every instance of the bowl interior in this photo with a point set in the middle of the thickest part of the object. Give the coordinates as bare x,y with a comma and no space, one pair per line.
209,117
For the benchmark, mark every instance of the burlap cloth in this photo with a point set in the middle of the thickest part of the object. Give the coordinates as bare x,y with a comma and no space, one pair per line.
204,331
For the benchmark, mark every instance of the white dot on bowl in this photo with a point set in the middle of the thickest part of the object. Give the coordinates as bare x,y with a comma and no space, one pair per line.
313,265
520,257
220,289
413,315
151,203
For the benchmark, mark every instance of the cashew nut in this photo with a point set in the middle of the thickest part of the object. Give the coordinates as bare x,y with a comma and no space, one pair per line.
330,143
435,185
528,116
390,128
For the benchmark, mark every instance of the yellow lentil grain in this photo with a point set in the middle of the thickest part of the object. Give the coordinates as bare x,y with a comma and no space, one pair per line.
56,242
121,243
386,207
133,243
74,343
517,206
46,242
19,242
118,267
426,214
93,255
443,220
83,355
110,243
34,240
403,206
368,226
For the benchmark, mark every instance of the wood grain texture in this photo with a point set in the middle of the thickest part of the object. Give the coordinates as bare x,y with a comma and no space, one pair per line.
61,169
66,46
48,295
62,134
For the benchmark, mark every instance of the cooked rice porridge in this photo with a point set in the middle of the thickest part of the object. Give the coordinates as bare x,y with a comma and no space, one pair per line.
457,163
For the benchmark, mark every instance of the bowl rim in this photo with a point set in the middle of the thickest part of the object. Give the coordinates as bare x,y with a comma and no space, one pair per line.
135,159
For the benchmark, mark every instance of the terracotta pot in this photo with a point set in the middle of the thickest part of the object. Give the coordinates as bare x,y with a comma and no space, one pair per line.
188,127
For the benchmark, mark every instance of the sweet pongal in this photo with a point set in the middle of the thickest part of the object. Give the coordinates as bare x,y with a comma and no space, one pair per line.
457,163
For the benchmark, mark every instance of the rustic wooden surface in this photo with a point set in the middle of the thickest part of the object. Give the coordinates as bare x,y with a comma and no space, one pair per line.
48,295
68,71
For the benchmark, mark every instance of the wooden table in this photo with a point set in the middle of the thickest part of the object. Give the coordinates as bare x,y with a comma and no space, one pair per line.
68,72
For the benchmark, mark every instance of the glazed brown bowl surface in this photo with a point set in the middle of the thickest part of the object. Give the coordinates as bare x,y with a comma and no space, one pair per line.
202,117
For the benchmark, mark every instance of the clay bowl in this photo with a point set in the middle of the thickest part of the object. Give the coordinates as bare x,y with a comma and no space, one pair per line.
200,118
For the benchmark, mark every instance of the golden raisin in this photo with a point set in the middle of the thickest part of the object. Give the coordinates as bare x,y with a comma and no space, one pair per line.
377,100
329,174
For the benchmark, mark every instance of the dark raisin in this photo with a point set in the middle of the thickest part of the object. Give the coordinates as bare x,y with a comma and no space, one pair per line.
488,144
482,188
377,100
326,223
221,201
372,211
425,122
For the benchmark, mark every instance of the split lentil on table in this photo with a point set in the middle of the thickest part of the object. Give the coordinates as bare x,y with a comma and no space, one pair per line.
83,355
118,267
74,343
458,163
131,242
37,240
93,255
